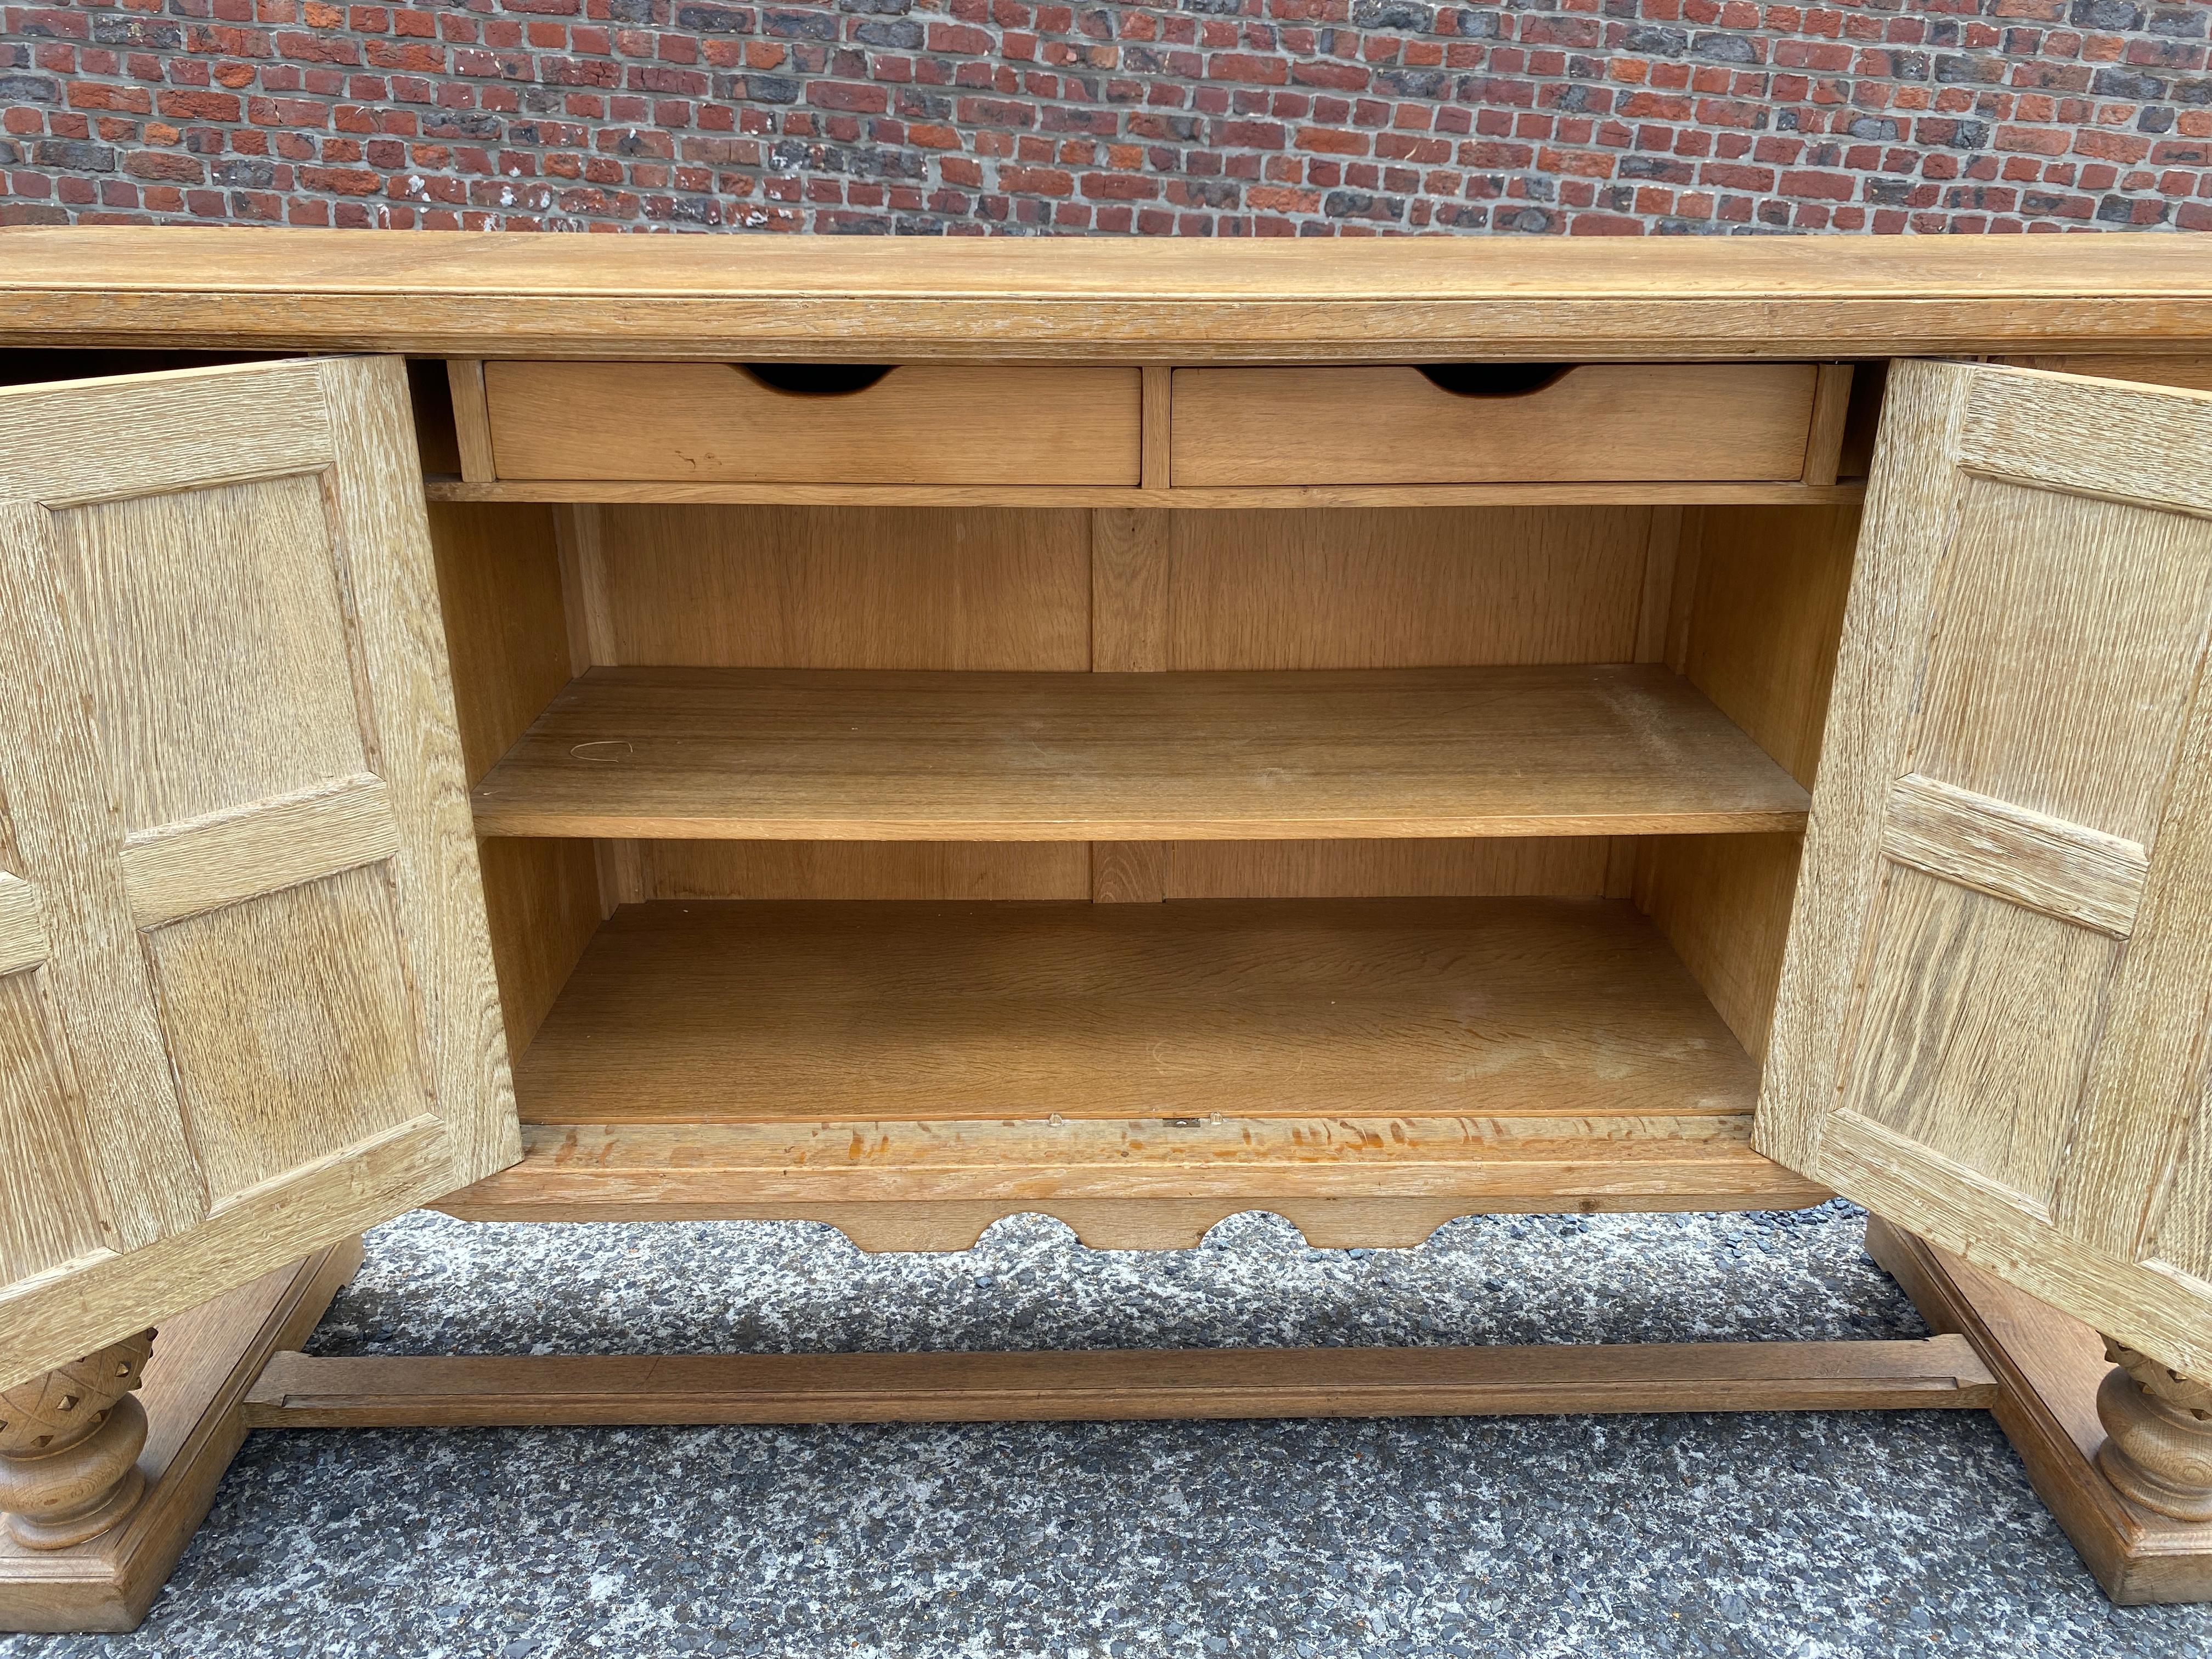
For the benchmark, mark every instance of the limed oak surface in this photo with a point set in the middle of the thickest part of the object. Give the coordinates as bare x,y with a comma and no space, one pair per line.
251,1004
1992,1008
1406,300
1523,751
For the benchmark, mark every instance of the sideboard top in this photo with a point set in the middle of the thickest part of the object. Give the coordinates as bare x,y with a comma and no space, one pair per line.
464,294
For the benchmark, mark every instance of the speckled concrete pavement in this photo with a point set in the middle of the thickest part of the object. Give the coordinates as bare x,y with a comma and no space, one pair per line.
1807,1536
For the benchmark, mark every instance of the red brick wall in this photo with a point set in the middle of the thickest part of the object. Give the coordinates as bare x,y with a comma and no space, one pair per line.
1211,117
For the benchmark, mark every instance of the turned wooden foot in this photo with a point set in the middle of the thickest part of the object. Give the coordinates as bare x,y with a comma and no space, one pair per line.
2157,1429
69,1447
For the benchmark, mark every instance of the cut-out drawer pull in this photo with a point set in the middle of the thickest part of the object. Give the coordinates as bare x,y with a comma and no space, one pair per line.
815,380
1494,379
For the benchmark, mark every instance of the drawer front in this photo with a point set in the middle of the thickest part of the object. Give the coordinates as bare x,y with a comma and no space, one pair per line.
1618,423
721,422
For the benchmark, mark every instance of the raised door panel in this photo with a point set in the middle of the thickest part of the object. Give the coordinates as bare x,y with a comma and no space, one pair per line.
247,1003
1994,998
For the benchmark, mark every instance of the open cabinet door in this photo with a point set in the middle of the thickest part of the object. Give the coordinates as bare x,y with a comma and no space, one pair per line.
246,1001
1992,1020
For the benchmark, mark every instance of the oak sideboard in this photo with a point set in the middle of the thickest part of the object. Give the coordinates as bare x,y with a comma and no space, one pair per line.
900,734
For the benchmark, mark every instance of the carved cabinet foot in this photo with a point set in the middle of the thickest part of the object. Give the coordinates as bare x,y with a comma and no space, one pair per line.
2158,1427
69,1448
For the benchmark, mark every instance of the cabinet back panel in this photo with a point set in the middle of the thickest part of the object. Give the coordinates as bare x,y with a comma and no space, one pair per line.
1404,587
847,587
1539,865
866,869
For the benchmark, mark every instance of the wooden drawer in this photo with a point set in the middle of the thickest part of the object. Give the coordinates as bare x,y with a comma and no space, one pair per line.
729,423
1505,423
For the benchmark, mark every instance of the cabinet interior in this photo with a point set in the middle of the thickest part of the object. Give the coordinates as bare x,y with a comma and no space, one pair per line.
1511,926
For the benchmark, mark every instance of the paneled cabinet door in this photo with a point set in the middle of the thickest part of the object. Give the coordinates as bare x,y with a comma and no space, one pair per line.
247,1003
1993,1011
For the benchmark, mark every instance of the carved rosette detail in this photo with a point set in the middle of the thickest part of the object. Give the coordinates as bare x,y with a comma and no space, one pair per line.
69,1441
2158,1425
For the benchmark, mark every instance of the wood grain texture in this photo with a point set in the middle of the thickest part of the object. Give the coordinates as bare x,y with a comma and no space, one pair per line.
1141,871
1723,903
714,422
2056,430
2048,1367
798,1012
1416,753
535,1192
406,677
300,1391
1909,515
1130,567
2029,627
1824,439
273,615
233,779
836,589
1569,866
1599,422
332,1061
209,1357
1133,1184
1413,299
580,540
862,869
1654,608
181,869
1975,1029
75,460
1592,1160
1489,868
2144,1126
1766,601
2031,858
132,1130
1340,589
110,1289
1759,607
50,1209
542,903
2158,369
1157,472
472,436
1128,871
22,934
854,587
510,618
506,615
2072,638
1205,498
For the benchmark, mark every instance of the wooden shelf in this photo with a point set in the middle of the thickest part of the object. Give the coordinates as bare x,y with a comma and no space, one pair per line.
1210,497
771,1058
854,756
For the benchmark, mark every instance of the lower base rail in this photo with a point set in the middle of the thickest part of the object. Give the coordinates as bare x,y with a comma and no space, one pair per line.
298,1390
